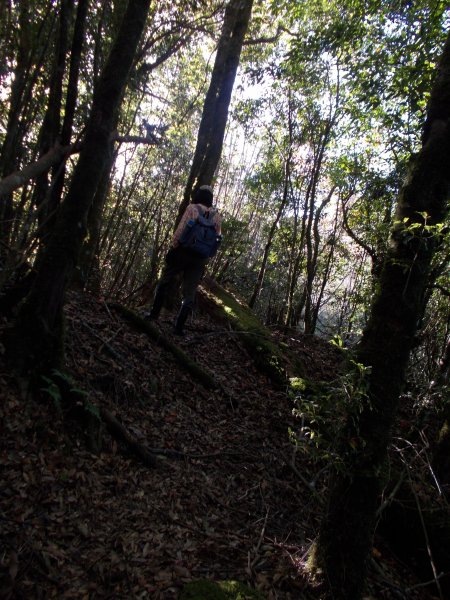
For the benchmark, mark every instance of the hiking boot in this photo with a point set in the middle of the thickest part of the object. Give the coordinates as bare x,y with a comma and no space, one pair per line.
157,306
184,313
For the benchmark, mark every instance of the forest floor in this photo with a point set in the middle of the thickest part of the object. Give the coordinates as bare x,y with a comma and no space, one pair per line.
234,501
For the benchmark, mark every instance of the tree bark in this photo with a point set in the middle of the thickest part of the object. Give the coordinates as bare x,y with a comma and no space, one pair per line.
59,169
215,111
16,180
344,540
8,152
36,340
87,273
50,130
325,273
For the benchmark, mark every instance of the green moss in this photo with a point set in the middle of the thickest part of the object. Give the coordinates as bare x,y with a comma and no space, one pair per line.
220,590
266,353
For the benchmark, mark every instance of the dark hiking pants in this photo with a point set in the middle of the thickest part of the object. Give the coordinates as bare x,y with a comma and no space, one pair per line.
192,266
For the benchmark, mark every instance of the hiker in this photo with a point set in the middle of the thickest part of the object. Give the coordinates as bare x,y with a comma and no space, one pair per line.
195,240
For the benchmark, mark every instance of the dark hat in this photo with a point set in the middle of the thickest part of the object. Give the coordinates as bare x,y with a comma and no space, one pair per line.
206,187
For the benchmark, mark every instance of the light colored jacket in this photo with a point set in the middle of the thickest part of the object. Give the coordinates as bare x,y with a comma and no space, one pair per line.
192,212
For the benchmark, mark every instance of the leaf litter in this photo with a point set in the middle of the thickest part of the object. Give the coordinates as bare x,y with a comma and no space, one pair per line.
79,524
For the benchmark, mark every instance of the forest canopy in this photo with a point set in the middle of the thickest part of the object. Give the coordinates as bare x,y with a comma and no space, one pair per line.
326,111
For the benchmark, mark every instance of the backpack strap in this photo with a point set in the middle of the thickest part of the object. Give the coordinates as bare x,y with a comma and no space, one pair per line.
208,213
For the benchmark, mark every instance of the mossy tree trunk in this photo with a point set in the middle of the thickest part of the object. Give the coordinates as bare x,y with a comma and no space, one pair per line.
215,111
344,542
35,343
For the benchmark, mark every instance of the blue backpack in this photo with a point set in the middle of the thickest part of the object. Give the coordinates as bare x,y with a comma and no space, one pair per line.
200,236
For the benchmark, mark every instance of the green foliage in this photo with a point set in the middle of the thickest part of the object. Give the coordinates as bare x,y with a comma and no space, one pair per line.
337,342
92,409
235,237
220,590
322,410
297,385
53,391
59,385
420,228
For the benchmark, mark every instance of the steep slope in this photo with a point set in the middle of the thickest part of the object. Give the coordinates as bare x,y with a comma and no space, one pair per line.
230,497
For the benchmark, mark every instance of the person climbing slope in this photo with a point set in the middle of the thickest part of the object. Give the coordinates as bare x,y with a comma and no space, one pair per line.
194,242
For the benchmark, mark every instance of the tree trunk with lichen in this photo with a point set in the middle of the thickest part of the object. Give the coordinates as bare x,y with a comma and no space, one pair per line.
36,341
342,549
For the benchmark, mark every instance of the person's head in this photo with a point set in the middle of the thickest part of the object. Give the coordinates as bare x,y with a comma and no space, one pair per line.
203,195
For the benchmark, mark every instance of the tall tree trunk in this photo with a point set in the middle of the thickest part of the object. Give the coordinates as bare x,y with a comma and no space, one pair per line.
344,540
215,111
273,228
50,130
36,339
59,170
87,273
29,59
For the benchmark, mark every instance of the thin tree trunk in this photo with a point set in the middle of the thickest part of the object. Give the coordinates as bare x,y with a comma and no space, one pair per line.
59,169
311,268
273,228
326,274
112,230
311,257
37,338
87,273
289,318
344,541
8,152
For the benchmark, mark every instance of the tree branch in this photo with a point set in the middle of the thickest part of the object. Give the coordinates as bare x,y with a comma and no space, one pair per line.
56,154
136,139
441,288
118,431
370,251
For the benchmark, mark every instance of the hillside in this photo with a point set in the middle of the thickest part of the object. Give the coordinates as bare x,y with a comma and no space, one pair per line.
229,498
